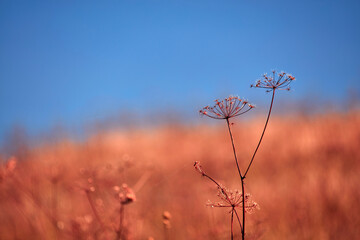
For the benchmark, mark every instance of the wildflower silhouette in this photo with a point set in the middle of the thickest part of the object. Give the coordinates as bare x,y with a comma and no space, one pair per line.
231,107
271,85
228,108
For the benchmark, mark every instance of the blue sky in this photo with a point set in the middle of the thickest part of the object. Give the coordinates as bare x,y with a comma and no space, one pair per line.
78,62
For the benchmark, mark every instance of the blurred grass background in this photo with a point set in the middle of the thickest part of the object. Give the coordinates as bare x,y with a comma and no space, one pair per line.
305,179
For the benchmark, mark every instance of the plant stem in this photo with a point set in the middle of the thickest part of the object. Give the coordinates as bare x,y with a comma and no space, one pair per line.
121,217
233,146
237,216
54,205
222,190
94,209
262,135
241,178
243,209
232,223
227,197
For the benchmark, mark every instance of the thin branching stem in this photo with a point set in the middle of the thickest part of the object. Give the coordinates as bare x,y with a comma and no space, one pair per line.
93,208
233,146
243,209
221,188
237,216
226,195
232,223
262,135
241,178
121,219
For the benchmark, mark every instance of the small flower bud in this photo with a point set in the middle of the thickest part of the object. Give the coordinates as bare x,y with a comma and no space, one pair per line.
127,195
11,164
166,215
166,219
198,168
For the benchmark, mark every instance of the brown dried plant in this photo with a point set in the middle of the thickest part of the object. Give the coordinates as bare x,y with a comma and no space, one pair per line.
229,108
124,195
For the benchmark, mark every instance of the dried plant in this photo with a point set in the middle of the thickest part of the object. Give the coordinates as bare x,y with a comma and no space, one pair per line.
229,199
112,225
125,196
229,108
271,85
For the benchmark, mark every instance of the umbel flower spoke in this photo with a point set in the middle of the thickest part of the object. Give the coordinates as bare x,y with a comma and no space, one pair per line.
228,108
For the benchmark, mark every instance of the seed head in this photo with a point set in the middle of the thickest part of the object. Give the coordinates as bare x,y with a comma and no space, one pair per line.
126,195
166,215
166,219
274,81
228,108
232,199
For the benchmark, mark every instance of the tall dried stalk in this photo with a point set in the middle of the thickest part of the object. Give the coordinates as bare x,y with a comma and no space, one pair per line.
121,220
232,107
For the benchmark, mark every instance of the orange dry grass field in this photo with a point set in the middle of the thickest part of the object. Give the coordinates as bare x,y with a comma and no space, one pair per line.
305,179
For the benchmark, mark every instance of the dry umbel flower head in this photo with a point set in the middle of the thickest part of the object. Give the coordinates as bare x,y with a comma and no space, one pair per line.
271,83
233,198
227,108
